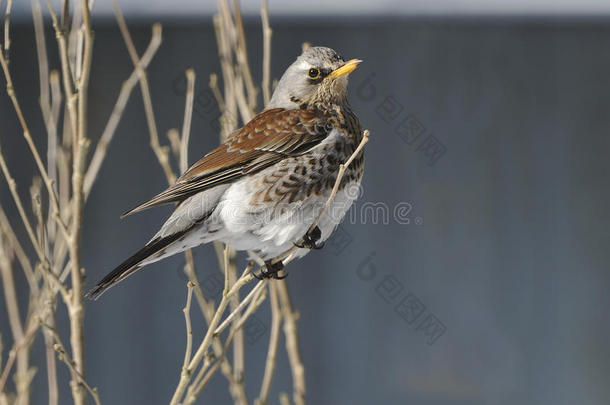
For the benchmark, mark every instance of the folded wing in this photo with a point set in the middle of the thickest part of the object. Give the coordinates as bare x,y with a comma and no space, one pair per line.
269,137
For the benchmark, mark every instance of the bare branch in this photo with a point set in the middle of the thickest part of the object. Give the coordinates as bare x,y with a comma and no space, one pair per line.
292,344
241,305
10,293
189,329
7,19
119,106
188,116
197,386
205,344
24,218
161,152
26,134
274,337
17,248
267,33
63,356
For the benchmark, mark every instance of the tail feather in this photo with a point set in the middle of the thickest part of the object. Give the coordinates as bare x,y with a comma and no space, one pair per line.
132,264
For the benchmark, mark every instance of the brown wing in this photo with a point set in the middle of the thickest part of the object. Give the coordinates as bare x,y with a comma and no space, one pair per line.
269,137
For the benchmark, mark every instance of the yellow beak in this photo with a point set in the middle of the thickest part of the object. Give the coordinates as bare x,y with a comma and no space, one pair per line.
347,68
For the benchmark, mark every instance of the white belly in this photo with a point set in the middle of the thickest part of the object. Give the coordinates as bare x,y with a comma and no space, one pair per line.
272,229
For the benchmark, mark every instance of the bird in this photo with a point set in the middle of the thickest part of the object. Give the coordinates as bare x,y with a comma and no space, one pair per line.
262,189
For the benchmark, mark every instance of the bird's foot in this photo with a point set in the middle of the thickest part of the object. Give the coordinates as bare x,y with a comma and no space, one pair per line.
271,270
309,241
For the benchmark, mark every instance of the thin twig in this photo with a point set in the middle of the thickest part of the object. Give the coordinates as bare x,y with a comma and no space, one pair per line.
187,321
274,337
79,152
207,308
45,96
119,106
7,19
17,248
216,91
188,116
27,135
267,33
12,308
241,53
17,348
241,305
17,199
292,344
197,386
68,78
205,344
63,356
161,152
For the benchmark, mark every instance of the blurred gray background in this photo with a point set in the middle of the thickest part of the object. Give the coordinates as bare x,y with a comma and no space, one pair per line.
487,283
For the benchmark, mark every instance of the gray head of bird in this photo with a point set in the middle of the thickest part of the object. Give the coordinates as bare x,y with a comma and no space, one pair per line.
318,75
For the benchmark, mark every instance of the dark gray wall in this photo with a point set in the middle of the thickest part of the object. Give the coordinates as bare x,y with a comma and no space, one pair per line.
506,245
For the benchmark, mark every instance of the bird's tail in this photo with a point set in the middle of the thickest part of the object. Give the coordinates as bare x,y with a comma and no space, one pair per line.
153,251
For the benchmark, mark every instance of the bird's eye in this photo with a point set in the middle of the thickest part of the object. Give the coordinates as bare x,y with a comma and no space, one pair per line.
314,73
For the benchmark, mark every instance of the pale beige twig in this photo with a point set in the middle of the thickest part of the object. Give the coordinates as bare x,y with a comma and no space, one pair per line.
205,344
187,321
17,199
225,268
7,19
12,308
45,95
241,54
274,338
119,106
13,353
229,113
67,76
161,152
197,386
63,356
28,138
216,91
208,309
22,258
79,152
254,292
51,369
267,33
188,116
35,191
174,142
230,269
292,344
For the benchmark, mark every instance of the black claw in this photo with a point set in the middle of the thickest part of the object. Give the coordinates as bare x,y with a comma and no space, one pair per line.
309,240
271,270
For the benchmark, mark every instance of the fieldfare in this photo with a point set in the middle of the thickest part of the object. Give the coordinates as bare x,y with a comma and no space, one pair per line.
263,188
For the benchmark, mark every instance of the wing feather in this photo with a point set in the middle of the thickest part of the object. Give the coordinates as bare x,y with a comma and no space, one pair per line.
268,138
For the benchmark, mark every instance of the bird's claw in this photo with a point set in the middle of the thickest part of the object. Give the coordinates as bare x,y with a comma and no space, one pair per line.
271,270
309,241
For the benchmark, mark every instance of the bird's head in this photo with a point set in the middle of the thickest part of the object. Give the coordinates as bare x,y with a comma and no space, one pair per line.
318,75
